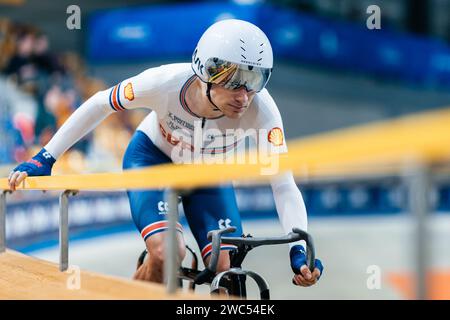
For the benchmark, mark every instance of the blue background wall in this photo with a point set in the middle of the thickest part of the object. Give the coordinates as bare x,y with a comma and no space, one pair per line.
34,223
157,32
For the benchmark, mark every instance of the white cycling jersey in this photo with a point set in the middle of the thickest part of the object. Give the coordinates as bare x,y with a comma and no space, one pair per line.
173,127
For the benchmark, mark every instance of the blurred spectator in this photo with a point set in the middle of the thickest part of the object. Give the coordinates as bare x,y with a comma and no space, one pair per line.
42,58
12,139
57,85
7,45
20,64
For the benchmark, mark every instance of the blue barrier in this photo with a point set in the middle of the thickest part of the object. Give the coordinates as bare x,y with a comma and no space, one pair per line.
35,221
156,31
172,31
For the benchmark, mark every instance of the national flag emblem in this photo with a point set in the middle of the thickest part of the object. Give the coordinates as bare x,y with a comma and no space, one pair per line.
128,92
275,136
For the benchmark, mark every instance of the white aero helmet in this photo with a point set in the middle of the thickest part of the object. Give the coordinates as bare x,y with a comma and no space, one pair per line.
234,53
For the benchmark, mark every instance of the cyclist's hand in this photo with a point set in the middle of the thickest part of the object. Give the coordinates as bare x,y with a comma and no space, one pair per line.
303,276
40,165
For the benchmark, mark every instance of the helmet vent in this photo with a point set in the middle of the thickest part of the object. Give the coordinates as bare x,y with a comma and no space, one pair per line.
242,48
242,40
243,57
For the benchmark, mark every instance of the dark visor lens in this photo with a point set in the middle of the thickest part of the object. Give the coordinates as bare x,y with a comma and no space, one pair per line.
233,76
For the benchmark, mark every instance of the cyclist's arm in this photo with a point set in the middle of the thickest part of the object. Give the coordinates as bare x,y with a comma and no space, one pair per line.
141,91
288,198
144,90
289,203
82,121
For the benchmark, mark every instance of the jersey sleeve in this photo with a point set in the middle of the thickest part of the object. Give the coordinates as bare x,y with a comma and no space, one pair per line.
268,120
145,90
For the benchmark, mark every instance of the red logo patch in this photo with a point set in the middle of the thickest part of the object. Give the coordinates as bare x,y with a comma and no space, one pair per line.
35,162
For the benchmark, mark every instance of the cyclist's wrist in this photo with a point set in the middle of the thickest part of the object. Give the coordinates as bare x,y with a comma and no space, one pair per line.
44,157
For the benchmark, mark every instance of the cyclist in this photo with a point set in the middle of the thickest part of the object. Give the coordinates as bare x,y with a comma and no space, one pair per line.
222,88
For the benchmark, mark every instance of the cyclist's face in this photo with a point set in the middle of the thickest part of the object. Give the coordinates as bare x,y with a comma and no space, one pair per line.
232,102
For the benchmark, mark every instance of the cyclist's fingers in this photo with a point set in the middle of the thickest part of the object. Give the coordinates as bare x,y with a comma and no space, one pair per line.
299,278
297,281
20,177
12,180
316,273
9,178
302,281
11,175
306,273
306,282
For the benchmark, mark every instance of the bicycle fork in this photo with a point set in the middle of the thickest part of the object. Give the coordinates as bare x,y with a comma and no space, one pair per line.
237,277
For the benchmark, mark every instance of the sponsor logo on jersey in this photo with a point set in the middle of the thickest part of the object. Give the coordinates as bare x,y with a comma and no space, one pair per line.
128,92
175,121
163,207
174,141
275,136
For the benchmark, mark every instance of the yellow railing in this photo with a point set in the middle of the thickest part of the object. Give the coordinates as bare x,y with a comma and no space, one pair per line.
388,145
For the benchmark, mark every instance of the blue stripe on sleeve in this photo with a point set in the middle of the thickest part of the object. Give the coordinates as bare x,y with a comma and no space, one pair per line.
118,96
110,101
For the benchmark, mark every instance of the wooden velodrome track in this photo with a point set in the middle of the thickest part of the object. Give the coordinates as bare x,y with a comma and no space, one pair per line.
378,147
24,277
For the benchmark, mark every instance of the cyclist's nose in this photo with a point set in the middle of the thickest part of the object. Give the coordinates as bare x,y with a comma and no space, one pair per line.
242,95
